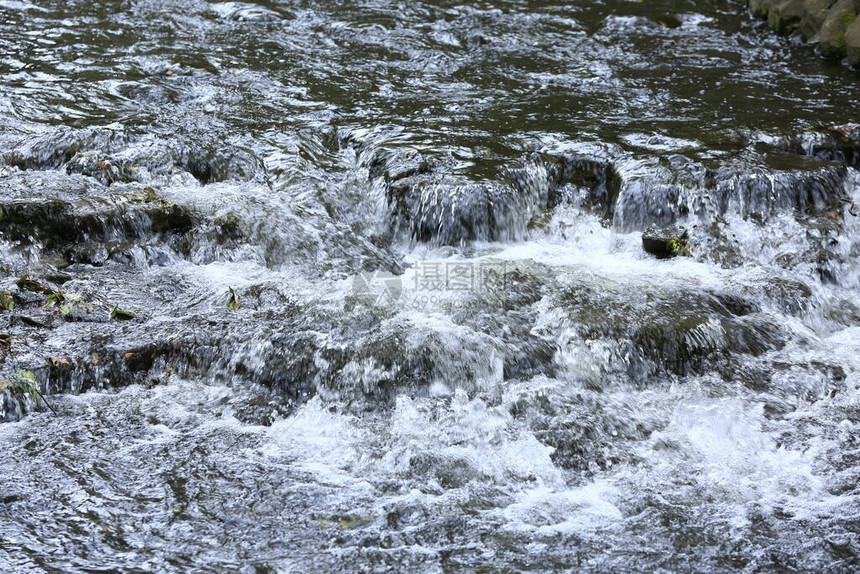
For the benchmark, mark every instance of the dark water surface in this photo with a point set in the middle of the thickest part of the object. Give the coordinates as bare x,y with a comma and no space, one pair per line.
450,352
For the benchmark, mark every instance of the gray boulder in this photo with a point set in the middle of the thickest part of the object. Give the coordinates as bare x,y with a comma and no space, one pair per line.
839,18
785,15
814,14
852,43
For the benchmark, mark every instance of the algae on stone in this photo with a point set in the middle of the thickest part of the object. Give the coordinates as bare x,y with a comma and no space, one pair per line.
120,315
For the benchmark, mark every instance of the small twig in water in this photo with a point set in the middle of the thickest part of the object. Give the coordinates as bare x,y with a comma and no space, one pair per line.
41,396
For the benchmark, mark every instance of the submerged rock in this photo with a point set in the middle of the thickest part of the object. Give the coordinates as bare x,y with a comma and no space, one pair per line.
65,221
437,206
435,203
585,435
55,148
221,164
779,183
244,11
111,156
589,166
394,165
91,164
446,209
659,193
662,329
510,313
839,143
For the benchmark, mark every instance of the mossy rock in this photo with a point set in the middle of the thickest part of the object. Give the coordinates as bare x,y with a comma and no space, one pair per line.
666,243
760,8
59,223
589,167
852,43
839,18
509,310
20,394
814,15
677,331
785,15
394,165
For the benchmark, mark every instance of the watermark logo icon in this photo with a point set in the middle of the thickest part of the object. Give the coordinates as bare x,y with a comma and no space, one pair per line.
377,287
431,284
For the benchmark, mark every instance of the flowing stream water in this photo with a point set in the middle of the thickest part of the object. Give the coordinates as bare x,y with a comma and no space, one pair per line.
388,305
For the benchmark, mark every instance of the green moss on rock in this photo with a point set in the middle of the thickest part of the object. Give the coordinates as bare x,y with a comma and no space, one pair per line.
839,18
785,15
814,15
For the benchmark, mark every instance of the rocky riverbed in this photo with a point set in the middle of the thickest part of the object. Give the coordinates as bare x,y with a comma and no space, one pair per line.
303,286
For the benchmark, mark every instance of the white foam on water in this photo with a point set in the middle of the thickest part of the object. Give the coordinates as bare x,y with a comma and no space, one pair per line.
328,445
723,446
469,431
548,512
